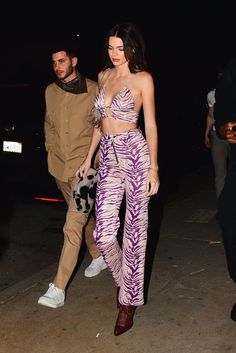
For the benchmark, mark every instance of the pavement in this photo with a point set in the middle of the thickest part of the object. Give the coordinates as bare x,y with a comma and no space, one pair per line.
189,294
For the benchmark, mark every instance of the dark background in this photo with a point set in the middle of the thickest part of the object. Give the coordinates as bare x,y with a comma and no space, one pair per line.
185,46
184,42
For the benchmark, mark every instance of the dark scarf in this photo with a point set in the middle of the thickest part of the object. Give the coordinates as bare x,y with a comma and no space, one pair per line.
75,86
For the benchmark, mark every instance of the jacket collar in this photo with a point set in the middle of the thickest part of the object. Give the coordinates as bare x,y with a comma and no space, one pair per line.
75,86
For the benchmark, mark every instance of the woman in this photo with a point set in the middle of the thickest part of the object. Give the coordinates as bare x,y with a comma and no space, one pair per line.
127,164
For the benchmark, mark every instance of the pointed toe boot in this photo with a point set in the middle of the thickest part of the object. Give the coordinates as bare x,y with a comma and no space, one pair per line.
125,319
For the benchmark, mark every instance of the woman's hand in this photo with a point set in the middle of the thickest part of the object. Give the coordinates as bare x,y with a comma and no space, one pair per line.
152,182
83,169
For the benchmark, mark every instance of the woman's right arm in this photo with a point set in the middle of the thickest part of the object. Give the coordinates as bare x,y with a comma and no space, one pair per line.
83,169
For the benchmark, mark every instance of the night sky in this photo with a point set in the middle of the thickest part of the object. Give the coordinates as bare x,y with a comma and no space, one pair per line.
185,46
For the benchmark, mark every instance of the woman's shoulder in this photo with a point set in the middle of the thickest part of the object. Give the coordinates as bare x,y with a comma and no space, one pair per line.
144,73
143,77
102,75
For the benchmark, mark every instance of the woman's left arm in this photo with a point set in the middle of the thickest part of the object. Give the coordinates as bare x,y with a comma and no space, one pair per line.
149,111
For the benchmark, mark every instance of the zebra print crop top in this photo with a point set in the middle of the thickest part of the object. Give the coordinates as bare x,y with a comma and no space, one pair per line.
121,108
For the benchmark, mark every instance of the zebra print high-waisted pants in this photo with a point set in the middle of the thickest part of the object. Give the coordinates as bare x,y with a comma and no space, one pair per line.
123,167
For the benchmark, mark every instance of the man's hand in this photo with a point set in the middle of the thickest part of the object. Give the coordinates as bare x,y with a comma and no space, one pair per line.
227,132
207,140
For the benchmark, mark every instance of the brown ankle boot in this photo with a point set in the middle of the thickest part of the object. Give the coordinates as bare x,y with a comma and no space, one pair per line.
125,319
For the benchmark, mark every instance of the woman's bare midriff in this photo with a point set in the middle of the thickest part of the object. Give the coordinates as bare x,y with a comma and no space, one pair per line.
112,126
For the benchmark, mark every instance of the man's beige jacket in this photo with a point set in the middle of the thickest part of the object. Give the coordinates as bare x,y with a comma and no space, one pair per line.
67,128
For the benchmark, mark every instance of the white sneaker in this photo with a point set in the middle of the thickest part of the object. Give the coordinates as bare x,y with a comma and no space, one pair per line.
53,298
96,266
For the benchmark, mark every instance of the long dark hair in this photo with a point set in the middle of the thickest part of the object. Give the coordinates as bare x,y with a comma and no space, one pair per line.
134,46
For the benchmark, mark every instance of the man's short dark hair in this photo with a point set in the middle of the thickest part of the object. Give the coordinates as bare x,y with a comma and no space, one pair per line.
70,48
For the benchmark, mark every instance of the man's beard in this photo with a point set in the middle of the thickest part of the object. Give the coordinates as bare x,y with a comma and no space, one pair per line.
70,72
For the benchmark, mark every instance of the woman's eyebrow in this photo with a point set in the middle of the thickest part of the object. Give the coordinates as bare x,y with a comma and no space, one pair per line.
119,46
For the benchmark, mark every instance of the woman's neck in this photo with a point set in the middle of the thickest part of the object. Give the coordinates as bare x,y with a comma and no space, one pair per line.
121,70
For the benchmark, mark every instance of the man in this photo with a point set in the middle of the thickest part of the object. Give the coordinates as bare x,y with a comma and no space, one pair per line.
219,147
68,132
225,116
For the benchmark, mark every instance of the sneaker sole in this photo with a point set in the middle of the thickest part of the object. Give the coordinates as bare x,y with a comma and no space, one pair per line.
54,306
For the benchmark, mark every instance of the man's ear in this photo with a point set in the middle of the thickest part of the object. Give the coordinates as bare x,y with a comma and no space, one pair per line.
74,61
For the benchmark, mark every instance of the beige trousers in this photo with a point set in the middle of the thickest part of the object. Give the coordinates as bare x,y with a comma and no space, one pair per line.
77,224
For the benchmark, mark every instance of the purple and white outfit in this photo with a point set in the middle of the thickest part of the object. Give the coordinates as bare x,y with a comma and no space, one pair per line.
123,167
